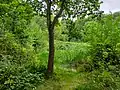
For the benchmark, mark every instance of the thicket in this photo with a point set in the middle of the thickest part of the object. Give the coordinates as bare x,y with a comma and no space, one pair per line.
19,66
87,45
103,36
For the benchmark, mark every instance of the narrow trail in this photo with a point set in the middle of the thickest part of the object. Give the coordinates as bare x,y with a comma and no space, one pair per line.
66,80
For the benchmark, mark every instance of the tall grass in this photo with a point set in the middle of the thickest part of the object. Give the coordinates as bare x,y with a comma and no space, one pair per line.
66,52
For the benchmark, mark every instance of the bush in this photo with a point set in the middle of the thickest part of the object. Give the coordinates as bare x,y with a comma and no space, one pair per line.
12,51
18,70
18,78
105,54
97,80
70,51
103,36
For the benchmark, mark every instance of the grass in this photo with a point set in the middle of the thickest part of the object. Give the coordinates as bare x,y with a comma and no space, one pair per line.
65,78
66,52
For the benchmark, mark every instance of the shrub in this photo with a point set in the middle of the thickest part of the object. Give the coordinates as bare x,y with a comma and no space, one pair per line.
105,54
97,80
14,77
18,70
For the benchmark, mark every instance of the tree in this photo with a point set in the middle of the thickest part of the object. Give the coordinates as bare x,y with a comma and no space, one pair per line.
15,15
65,9
116,14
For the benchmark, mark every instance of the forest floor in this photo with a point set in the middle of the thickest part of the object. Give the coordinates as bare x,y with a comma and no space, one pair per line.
64,80
65,77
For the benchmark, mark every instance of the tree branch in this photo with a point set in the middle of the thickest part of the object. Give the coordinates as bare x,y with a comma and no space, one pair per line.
48,2
58,14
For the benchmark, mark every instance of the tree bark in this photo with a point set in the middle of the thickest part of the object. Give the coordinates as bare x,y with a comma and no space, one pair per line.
51,25
51,51
51,39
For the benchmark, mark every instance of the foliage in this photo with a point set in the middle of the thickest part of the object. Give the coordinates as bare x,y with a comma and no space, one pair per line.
37,34
14,17
74,51
14,58
71,8
101,81
103,31
18,70
66,9
17,78
18,65
75,29
103,36
59,35
89,61
106,55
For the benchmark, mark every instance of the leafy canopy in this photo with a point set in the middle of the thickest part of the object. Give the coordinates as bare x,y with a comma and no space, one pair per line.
69,8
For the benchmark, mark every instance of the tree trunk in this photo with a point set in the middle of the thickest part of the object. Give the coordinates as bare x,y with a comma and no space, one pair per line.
51,51
51,25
